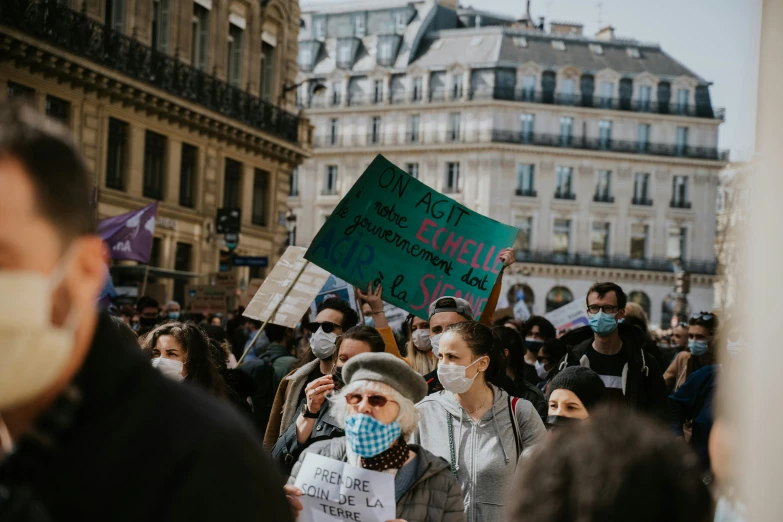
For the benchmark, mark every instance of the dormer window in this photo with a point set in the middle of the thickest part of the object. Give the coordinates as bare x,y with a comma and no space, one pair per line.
384,52
305,57
319,28
633,52
359,26
558,45
400,21
596,48
344,55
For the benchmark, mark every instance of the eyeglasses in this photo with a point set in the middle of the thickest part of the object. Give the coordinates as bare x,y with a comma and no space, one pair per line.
607,309
326,326
682,325
703,316
376,401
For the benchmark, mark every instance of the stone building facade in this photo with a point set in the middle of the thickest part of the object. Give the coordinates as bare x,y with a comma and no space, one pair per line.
602,151
185,102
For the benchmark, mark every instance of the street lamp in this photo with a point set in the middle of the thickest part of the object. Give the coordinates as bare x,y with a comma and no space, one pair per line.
290,225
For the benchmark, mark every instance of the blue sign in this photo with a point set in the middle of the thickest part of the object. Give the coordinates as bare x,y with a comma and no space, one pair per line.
262,261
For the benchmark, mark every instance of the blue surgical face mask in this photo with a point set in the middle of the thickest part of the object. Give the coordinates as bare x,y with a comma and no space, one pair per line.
369,321
698,347
368,437
603,324
174,315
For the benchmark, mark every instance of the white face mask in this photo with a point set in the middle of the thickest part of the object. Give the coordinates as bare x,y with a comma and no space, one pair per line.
169,367
323,344
33,351
453,378
540,371
435,343
421,339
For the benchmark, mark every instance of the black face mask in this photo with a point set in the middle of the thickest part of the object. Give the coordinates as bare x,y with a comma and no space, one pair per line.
557,421
337,376
146,322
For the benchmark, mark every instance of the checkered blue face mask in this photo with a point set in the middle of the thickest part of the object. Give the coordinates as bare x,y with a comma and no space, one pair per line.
368,437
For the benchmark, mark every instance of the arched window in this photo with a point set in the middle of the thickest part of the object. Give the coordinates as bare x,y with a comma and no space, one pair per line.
641,299
558,297
523,291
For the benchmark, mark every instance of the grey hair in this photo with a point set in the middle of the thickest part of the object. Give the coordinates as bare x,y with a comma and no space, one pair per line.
408,416
172,303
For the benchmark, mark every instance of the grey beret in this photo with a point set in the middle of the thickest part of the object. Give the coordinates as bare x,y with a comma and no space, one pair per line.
388,369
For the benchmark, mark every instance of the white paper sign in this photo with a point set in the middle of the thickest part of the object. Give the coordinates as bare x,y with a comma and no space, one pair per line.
520,311
569,317
335,490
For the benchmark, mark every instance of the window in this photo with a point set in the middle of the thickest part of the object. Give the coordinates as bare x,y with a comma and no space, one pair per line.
452,178
607,93
234,55
115,15
528,87
524,229
330,181
359,27
160,25
633,52
682,101
682,141
454,126
642,300
567,89
375,130
675,242
418,88
58,109
260,195
599,240
604,134
116,154
385,52
267,71
525,181
643,137
680,192
413,169
563,180
154,164
641,189
293,183
456,87
20,92
566,126
645,98
183,255
413,133
319,27
596,48
337,93
638,241
344,54
561,240
199,37
558,45
557,297
527,122
401,20
603,191
334,131
378,91
305,59
232,183
187,175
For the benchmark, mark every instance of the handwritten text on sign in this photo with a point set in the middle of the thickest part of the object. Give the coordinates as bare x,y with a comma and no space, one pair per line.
392,229
334,490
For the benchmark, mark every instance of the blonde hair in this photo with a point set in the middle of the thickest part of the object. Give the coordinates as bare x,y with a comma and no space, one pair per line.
421,362
408,416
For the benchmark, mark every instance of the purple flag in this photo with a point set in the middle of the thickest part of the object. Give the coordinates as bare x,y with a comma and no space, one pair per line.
129,236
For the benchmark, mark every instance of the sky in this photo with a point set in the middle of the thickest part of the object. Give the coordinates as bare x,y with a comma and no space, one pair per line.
717,39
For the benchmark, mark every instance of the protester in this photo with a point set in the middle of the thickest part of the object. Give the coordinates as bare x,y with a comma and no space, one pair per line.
172,311
549,355
573,393
635,316
535,331
215,320
367,314
679,338
89,430
182,351
615,467
147,307
239,386
377,412
702,335
692,410
510,343
631,375
474,425
314,421
420,356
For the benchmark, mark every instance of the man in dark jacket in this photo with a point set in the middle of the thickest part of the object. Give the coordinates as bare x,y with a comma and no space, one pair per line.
88,429
631,375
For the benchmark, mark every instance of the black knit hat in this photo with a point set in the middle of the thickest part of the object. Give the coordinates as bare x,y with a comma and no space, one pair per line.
584,382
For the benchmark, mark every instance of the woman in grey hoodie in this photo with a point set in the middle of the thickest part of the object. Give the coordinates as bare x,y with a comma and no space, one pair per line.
475,426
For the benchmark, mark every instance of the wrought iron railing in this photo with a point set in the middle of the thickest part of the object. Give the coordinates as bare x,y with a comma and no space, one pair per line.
75,32
622,262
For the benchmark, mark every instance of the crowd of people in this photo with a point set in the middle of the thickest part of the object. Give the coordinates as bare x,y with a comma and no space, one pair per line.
152,413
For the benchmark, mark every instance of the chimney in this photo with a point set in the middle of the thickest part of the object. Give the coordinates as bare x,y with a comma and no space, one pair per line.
565,28
606,34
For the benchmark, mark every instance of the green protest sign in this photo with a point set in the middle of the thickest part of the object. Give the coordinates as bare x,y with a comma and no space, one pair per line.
392,229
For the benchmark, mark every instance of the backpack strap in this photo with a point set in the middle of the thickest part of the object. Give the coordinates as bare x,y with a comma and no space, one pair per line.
512,409
451,444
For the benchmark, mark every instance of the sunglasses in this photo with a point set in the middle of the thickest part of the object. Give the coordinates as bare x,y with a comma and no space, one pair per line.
376,401
703,316
326,326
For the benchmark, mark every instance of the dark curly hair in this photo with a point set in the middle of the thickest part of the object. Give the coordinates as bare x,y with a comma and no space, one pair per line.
614,467
482,342
201,367
545,328
366,334
350,317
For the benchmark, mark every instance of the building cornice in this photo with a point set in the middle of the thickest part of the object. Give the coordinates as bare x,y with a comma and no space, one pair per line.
604,274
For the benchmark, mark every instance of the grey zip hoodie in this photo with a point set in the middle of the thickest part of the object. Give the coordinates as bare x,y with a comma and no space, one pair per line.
486,450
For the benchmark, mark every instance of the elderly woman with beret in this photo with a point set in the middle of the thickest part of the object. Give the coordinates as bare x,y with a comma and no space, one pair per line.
377,410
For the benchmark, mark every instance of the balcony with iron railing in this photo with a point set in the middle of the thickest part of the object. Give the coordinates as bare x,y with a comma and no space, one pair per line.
565,193
526,193
643,202
621,262
603,198
681,204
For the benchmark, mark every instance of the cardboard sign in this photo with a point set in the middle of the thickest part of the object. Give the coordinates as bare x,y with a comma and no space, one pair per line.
205,299
292,284
569,317
250,291
392,229
225,281
336,491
